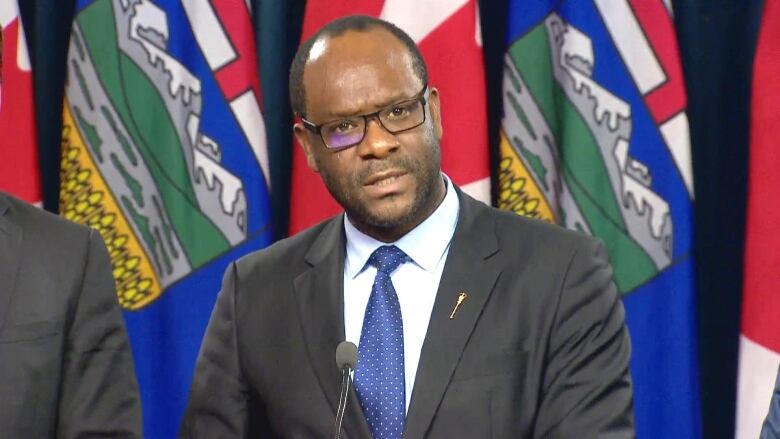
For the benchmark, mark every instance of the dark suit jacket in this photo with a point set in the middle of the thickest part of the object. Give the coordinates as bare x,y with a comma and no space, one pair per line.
538,349
65,364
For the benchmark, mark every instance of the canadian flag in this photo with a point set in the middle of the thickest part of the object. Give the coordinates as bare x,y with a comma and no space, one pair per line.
19,173
759,349
448,35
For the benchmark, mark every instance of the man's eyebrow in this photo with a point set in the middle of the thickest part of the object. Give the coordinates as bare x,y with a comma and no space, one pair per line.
386,103
345,114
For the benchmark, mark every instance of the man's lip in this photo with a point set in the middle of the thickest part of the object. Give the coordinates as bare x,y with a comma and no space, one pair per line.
379,176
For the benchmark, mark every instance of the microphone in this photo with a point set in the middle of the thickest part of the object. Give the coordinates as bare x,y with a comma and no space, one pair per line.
346,359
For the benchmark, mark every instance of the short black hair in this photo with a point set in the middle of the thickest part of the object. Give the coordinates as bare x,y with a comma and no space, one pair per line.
338,27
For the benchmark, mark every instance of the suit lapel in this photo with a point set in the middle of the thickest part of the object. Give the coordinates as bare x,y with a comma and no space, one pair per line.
10,254
471,270
320,297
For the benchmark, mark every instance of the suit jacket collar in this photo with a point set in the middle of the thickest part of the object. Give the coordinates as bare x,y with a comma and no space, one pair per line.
319,293
470,268
10,254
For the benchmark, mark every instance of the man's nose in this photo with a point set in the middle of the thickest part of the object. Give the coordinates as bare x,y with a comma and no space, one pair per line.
378,142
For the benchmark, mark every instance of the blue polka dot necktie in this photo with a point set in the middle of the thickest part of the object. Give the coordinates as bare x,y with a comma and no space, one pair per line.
379,376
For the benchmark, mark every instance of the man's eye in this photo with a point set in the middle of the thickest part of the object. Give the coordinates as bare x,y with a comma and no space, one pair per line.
344,126
398,112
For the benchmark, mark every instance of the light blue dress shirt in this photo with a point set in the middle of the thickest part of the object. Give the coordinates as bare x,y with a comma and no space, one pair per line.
416,282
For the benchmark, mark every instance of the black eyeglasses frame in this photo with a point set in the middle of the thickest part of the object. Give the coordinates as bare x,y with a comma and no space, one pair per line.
317,129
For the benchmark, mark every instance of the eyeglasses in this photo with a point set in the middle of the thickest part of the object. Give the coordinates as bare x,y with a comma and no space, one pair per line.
395,118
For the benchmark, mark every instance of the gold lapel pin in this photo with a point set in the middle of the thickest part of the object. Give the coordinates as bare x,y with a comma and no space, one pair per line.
461,299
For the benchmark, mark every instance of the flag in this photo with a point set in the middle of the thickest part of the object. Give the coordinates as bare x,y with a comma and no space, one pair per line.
19,170
759,346
163,152
448,35
594,137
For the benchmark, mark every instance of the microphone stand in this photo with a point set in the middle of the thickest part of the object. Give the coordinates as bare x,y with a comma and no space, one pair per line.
345,380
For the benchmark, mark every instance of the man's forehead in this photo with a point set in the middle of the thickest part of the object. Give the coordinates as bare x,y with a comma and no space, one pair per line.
354,45
359,90
359,69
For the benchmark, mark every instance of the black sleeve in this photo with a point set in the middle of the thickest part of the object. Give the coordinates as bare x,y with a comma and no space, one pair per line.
219,398
587,385
99,390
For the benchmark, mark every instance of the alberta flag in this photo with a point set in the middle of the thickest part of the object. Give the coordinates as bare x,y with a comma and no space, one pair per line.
595,137
163,151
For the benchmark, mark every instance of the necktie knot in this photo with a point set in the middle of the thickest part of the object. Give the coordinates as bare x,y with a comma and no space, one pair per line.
387,258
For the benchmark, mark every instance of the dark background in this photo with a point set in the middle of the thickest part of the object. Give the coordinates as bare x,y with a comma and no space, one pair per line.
717,43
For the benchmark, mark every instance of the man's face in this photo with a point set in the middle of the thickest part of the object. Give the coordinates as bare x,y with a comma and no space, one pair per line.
388,183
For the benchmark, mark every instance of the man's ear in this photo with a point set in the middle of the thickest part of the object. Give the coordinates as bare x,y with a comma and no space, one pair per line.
435,108
304,139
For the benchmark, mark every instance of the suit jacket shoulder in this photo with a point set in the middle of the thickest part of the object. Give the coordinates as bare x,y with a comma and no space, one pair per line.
42,254
522,234
541,338
287,258
42,227
67,368
267,361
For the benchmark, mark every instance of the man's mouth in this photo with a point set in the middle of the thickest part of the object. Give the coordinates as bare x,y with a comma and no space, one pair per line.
384,178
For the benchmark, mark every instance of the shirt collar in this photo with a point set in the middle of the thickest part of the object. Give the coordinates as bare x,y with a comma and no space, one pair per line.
425,244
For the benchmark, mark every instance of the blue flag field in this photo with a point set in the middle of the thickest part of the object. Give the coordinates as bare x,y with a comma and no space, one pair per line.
595,137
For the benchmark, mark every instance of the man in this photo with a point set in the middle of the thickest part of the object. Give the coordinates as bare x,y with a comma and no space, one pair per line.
65,365
470,322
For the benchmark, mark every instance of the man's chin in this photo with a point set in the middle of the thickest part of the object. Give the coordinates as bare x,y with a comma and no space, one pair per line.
389,220
384,217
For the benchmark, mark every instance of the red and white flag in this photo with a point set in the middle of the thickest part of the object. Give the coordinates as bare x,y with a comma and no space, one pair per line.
759,350
448,35
19,171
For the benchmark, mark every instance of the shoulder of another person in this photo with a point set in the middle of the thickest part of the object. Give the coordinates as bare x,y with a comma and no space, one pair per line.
40,225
